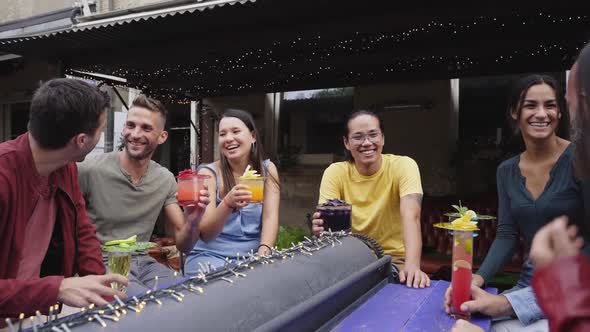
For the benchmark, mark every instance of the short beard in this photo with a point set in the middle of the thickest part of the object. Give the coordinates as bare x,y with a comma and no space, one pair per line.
144,155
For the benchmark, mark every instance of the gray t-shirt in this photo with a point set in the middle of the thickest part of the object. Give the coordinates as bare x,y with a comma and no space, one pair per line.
118,208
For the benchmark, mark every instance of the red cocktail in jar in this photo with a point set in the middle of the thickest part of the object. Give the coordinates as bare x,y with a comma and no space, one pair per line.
189,186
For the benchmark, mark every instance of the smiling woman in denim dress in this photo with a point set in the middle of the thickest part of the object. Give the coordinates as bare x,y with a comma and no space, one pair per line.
231,225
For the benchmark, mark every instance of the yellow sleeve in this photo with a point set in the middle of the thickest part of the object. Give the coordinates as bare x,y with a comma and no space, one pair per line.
330,186
409,177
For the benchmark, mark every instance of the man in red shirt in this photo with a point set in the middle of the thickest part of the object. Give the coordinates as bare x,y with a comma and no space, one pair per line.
47,237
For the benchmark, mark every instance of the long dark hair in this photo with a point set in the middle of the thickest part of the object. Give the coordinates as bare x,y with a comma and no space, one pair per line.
351,117
256,158
516,99
582,126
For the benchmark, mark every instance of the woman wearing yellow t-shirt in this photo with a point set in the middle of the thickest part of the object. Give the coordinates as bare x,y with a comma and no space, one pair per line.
385,192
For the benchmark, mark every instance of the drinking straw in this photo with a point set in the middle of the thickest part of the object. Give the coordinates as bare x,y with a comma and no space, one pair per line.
246,171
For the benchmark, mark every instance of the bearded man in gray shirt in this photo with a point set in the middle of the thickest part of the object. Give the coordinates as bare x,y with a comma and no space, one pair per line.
125,192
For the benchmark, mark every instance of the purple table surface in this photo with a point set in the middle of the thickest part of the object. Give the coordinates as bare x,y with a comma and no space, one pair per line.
398,308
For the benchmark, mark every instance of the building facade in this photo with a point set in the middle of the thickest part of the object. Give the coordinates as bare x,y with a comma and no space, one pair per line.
14,10
412,75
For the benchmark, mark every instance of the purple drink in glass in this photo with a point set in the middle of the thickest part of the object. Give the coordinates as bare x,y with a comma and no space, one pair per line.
336,214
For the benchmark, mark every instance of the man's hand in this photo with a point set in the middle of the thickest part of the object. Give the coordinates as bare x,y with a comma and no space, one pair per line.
414,277
553,241
410,206
317,224
483,302
82,291
477,280
464,326
195,213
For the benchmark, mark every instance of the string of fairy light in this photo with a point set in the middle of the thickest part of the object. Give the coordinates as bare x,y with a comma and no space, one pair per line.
217,74
231,272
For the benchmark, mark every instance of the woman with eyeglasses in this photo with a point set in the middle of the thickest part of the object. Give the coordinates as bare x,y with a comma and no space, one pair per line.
385,192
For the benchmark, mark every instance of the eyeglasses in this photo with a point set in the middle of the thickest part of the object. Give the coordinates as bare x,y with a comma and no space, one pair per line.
358,139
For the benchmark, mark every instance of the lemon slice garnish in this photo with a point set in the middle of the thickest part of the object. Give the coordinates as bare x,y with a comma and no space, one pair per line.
129,240
465,221
250,174
471,213
461,264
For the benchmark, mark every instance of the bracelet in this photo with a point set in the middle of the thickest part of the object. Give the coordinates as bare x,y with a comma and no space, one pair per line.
265,245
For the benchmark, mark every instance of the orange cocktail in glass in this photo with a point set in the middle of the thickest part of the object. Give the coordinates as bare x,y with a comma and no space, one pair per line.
256,186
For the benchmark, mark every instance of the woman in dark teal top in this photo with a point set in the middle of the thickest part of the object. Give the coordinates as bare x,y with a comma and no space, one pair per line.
520,213
534,187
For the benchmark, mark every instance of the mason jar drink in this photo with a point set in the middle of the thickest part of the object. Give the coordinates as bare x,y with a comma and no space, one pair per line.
189,186
336,214
255,186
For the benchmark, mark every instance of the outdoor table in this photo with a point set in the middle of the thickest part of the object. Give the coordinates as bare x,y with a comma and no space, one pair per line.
396,307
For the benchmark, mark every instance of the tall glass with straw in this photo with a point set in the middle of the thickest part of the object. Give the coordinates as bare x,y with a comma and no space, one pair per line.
462,230
462,265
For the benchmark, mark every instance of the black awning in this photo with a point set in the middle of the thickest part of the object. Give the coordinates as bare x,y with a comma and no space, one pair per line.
280,45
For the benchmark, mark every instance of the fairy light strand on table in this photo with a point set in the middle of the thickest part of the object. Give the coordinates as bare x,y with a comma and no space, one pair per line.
231,273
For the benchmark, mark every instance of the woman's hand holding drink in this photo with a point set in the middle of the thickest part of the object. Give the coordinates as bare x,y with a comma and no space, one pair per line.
462,230
254,183
238,197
